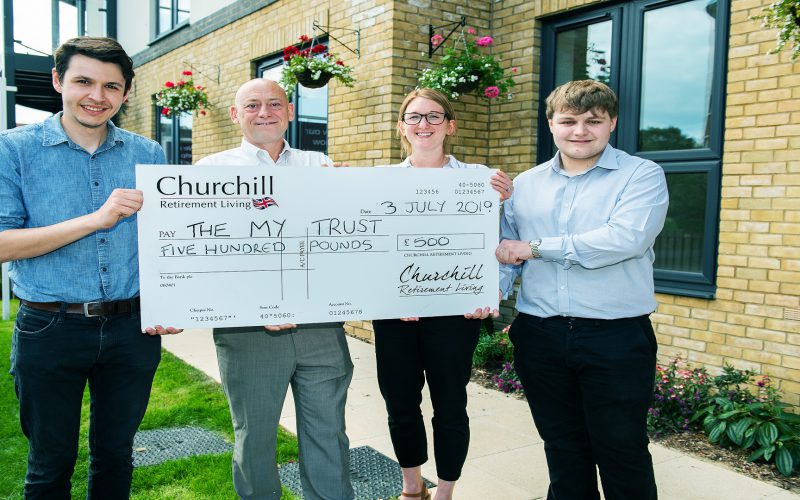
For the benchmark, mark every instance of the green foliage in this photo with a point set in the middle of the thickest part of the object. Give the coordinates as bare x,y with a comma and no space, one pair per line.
493,350
464,68
181,396
679,394
315,62
784,15
182,96
734,417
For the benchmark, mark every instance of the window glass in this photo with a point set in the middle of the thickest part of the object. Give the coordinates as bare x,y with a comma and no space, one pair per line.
679,247
182,12
185,139
165,135
96,18
584,53
312,118
677,74
32,27
67,21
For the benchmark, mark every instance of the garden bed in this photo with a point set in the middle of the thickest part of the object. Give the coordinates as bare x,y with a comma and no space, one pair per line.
693,443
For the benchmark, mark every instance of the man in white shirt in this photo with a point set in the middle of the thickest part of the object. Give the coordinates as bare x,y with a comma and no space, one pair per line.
257,363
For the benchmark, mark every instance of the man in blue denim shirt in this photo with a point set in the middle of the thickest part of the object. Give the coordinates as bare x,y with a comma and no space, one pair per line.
580,229
66,207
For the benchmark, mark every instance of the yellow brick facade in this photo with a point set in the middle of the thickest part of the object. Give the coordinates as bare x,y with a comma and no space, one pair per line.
752,322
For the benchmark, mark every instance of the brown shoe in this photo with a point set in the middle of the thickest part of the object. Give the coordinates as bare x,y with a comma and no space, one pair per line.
424,494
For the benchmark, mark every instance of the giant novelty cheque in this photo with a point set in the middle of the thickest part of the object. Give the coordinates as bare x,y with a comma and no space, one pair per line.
243,246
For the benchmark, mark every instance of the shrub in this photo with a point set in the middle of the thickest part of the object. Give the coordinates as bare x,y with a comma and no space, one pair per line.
679,394
736,418
493,349
508,381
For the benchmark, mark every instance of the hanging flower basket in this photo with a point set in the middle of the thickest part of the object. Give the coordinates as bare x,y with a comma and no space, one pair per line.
182,96
306,79
312,67
465,69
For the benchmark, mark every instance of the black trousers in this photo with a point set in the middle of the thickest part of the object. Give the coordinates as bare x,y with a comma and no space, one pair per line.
589,384
440,350
54,356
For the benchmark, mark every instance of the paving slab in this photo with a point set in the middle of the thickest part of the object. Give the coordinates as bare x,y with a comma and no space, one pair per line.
506,458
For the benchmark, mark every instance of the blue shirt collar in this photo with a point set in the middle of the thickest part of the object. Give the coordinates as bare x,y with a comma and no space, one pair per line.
608,161
55,134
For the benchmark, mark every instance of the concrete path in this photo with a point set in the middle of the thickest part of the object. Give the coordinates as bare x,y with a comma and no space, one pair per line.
506,456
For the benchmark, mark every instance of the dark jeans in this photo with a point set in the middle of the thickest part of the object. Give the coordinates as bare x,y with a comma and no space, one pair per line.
439,349
589,384
54,355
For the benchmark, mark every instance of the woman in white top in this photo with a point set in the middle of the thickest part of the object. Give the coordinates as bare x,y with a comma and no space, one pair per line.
410,351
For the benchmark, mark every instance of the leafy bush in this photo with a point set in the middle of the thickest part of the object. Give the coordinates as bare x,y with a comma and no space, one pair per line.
679,394
508,381
735,417
493,349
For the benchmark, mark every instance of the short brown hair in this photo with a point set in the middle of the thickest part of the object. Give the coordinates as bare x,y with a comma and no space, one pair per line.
581,96
435,96
97,47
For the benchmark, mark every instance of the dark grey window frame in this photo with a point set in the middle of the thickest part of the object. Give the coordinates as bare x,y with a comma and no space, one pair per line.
173,155
174,24
626,79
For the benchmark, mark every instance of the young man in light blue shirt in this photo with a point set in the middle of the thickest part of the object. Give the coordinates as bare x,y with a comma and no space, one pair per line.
579,230
67,201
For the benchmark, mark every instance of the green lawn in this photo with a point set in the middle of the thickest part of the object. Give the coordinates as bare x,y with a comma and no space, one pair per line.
181,396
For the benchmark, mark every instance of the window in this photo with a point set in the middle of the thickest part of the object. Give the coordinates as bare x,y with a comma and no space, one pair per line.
40,25
174,133
671,92
309,130
170,14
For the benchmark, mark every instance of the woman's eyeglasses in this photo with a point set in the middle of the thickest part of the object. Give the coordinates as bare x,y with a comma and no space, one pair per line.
432,118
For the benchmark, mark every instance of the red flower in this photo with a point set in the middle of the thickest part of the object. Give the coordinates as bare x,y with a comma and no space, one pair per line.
165,111
304,53
181,83
339,63
199,87
304,38
202,112
169,85
514,70
491,92
318,48
187,72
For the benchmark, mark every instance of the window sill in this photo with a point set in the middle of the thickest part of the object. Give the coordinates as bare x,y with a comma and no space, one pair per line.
168,33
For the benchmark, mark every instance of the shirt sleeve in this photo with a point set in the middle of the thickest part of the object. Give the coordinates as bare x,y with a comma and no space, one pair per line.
12,208
631,229
508,231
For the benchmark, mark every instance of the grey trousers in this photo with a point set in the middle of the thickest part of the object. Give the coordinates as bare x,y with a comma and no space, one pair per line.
256,368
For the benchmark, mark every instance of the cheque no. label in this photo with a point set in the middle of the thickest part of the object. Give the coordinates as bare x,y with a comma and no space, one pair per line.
245,246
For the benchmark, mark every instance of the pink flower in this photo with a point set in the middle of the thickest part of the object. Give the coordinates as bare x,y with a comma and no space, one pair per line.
484,41
169,85
181,83
187,72
471,30
199,87
491,92
514,70
436,39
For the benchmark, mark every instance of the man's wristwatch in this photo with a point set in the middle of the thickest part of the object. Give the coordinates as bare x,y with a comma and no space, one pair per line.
535,249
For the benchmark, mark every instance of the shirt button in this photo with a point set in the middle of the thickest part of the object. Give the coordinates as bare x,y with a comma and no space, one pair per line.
103,269
102,240
96,183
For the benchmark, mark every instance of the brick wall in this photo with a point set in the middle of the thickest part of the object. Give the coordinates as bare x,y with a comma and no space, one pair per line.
749,324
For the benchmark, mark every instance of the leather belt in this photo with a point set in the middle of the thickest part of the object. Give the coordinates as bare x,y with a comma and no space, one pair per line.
88,309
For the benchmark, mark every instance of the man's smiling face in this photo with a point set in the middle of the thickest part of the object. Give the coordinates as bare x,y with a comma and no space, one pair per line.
92,91
581,138
263,112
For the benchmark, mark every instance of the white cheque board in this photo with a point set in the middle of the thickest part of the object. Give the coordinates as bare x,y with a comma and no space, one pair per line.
244,246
